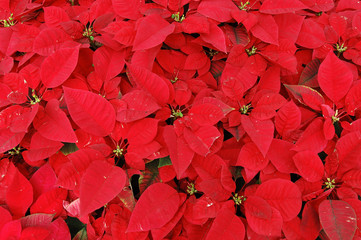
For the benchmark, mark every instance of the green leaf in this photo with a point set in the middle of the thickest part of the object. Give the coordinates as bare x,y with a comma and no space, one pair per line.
69,148
164,162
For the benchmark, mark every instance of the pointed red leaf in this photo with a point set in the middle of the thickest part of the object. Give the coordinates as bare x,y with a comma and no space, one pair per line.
53,16
19,195
349,152
196,61
236,81
49,41
34,233
90,112
335,77
311,34
5,217
143,131
43,180
352,178
269,227
289,26
202,139
59,230
57,67
266,29
281,6
312,138
195,23
261,132
137,105
9,140
281,156
71,172
155,207
108,63
54,124
101,182
283,195
206,114
219,10
309,165
323,5
50,202
180,153
258,207
150,82
128,9
17,119
250,157
226,226
152,31
160,233
216,37
41,148
288,118
11,230
338,219
353,98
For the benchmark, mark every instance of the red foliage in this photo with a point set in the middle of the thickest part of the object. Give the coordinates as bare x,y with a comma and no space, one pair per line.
180,119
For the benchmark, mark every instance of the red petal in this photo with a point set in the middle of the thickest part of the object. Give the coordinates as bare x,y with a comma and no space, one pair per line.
53,16
90,112
258,207
49,40
338,219
202,139
108,63
309,165
150,82
283,195
128,9
311,34
281,6
250,157
19,195
41,148
54,124
155,207
143,131
281,156
334,77
226,226
288,118
312,138
152,31
99,185
180,153
268,227
261,132
206,114
266,29
143,106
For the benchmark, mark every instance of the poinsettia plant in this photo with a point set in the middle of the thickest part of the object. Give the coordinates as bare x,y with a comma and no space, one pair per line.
180,119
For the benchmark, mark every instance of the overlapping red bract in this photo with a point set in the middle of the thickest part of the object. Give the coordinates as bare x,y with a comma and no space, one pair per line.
180,119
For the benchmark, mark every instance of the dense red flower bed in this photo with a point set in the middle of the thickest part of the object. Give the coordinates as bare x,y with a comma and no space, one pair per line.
180,119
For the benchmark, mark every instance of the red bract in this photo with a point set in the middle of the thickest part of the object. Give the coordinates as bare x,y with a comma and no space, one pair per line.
180,119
